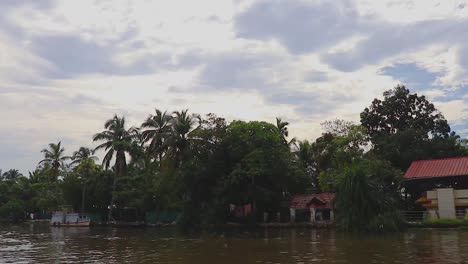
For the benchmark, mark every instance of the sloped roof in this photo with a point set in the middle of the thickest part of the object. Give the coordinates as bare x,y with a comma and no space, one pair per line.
318,200
437,168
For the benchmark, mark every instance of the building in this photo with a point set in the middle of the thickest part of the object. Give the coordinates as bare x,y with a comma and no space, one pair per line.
312,207
439,186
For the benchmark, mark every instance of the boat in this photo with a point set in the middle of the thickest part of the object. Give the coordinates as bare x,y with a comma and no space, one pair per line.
61,218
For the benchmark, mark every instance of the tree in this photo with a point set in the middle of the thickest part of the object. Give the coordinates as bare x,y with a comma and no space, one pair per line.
337,127
82,154
84,160
261,169
55,156
304,153
157,130
405,127
12,175
117,140
400,110
181,124
368,197
282,127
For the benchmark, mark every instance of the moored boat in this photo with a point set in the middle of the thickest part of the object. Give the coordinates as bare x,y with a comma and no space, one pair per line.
69,219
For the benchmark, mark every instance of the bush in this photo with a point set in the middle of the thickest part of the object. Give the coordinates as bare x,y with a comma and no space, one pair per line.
447,222
13,209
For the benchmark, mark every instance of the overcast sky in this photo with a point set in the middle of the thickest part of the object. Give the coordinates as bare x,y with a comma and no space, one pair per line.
67,66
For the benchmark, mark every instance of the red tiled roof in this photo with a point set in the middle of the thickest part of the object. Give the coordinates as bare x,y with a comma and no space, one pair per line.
437,168
319,200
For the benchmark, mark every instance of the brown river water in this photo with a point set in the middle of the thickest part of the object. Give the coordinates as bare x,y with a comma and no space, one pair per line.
39,243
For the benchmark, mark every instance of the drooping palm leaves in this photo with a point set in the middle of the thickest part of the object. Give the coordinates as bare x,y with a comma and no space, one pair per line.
157,130
181,124
11,175
82,154
282,127
55,156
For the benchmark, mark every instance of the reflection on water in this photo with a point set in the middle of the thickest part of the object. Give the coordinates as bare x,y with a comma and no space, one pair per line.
35,243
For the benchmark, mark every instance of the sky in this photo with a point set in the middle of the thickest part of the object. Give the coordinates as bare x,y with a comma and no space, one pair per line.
68,66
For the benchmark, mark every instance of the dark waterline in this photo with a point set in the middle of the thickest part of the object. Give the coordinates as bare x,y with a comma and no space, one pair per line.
39,243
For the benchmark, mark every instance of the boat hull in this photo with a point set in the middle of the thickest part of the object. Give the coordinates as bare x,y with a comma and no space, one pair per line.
80,224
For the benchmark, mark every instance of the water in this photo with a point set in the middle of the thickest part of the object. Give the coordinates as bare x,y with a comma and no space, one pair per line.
34,243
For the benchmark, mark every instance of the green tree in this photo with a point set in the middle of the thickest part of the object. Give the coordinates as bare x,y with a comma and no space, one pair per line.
405,127
12,175
181,124
368,197
117,141
82,154
261,168
283,130
156,131
55,156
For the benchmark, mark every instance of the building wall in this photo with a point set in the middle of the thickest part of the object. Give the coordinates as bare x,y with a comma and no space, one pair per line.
446,200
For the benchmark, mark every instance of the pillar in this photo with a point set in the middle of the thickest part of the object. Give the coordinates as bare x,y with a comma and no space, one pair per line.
332,215
278,217
312,215
292,214
265,217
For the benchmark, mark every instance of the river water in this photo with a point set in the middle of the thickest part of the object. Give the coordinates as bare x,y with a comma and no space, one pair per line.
39,243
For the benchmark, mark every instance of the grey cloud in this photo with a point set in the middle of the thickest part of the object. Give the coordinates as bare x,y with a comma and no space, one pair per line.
388,40
316,76
254,72
310,103
304,27
237,71
74,56
301,26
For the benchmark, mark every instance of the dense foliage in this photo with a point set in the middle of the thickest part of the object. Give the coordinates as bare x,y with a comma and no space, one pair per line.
202,165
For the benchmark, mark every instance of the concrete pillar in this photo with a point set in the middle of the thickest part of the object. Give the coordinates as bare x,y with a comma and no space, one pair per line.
265,217
312,215
446,203
278,217
292,214
332,215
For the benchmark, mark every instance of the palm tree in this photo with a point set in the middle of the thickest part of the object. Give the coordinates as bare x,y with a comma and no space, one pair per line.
55,157
82,154
181,123
117,140
12,175
157,130
84,160
282,127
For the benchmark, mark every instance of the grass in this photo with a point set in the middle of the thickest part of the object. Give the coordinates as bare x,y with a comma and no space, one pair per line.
443,223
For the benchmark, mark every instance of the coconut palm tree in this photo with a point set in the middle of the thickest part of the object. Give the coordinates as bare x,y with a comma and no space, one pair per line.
83,153
282,127
84,162
117,142
157,130
12,175
55,156
181,125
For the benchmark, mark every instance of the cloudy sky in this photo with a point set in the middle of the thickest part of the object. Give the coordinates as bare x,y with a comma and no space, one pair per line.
67,66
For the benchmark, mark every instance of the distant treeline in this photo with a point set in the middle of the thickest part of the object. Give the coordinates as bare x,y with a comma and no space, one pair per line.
199,165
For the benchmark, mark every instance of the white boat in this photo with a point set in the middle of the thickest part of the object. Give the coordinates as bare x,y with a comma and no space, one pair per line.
69,219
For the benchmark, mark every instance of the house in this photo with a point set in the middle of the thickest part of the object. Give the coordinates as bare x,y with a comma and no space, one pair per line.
439,186
312,207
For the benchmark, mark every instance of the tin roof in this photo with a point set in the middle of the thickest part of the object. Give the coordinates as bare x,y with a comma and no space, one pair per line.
457,166
318,200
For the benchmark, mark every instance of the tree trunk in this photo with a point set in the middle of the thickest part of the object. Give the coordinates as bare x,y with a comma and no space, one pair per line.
83,196
120,170
109,215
